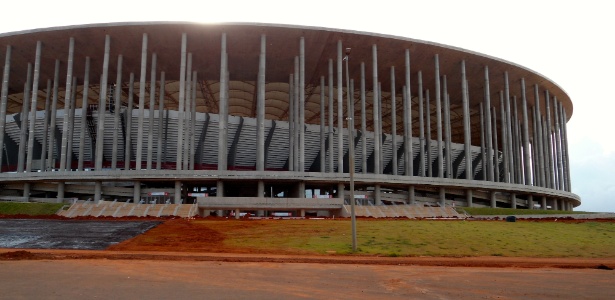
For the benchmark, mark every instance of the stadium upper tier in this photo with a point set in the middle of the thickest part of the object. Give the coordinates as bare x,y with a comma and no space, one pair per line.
175,107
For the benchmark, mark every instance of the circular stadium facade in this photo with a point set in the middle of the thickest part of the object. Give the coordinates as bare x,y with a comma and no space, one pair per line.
236,115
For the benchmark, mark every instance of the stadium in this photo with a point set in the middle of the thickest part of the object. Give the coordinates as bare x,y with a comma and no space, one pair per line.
275,119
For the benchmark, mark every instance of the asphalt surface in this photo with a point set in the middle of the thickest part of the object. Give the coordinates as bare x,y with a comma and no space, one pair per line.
74,234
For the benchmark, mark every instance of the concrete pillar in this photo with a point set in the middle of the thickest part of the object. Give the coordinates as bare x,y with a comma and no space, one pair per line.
377,195
492,198
503,132
84,112
302,104
539,142
513,201
428,137
260,110
302,189
408,151
447,131
363,123
152,103
160,121
128,143
483,150
495,160
71,125
530,202
421,127
296,116
261,189
45,128
411,195
186,118
565,148
330,129
551,168
61,192
193,139
291,123
116,112
340,113
509,152
526,138
177,193
323,150
223,133
440,155
467,138
488,137
394,123
100,132
469,198
543,202
139,154
555,205
442,196
67,94
181,111
558,141
97,191
4,98
25,112
32,127
52,117
376,110
380,141
137,192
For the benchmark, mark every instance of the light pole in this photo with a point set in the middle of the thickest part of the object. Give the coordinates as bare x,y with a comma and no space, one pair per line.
353,219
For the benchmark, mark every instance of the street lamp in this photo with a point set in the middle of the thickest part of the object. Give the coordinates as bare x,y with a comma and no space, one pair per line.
353,219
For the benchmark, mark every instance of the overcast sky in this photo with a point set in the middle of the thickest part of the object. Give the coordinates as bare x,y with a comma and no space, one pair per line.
570,42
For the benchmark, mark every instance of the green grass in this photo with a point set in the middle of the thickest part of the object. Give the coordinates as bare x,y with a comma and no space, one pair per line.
430,238
512,211
32,209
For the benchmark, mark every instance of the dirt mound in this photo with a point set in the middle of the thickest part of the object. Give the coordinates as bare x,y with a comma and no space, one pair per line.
17,255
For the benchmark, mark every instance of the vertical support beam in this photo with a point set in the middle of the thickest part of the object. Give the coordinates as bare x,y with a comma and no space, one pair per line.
376,110
469,196
558,141
495,160
421,127
260,110
483,151
510,175
223,130
340,112
411,195
566,155
25,111
302,104
193,140
152,103
330,138
322,125
186,118
4,99
100,133
67,94
408,151
71,125
84,112
296,115
116,111
517,143
539,142
139,154
488,138
394,122
467,132
442,196
363,123
526,137
548,136
160,121
52,117
428,146
45,129
181,113
291,123
37,69
439,117
447,130
128,142
177,193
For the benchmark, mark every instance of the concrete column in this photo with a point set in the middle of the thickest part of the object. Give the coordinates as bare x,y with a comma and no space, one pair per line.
4,98
291,123
546,153
296,116
261,189
488,138
509,152
411,195
428,137
442,196
100,132
67,94
394,123
323,150
84,112
408,153
555,205
71,125
52,117
45,128
492,199
447,130
193,139
302,104
467,132
186,118
178,192
152,103
340,190
380,142
128,143
302,189
60,192
330,132
540,153
137,192
260,109
440,155
558,142
139,154
503,132
495,160
530,202
469,199
340,113
421,168
116,112
526,138
160,121
181,114
25,112
376,110
363,123
224,97
483,152
566,155
37,69
377,195
551,168
513,201
97,191
543,203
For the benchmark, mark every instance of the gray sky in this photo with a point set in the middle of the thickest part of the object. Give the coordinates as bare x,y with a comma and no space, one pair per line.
570,42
